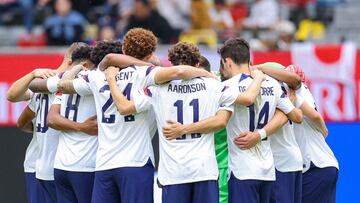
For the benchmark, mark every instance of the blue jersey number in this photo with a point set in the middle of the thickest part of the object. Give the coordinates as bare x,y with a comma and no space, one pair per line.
179,104
72,107
42,112
263,117
104,108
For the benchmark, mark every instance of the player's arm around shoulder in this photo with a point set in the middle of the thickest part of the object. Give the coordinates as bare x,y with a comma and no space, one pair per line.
248,97
65,84
286,101
124,106
183,72
18,91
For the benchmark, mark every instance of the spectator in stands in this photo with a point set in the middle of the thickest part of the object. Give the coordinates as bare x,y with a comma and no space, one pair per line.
222,20
25,7
264,14
107,33
66,26
200,18
145,16
297,10
176,12
286,31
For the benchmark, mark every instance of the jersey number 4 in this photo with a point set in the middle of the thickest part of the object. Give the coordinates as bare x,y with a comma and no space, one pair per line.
263,117
109,102
179,104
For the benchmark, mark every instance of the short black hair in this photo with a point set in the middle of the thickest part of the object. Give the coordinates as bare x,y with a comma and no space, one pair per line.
81,54
102,48
204,63
237,49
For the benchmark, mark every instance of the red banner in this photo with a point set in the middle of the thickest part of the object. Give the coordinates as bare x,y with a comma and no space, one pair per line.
335,91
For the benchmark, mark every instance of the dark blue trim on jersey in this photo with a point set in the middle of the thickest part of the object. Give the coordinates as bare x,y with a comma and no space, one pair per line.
225,87
132,66
60,75
149,69
86,78
243,77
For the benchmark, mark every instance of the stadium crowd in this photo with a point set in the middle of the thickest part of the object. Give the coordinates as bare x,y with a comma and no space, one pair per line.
266,24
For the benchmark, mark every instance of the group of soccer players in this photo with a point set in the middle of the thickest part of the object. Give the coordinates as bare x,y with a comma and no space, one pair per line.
94,117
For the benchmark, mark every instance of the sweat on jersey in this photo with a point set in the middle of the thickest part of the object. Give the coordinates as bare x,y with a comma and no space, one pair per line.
76,151
189,158
286,151
311,141
256,163
124,141
47,137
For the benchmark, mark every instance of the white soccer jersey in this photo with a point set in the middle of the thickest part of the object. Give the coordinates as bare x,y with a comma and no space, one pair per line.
124,141
256,163
32,151
286,151
190,158
47,137
76,150
311,141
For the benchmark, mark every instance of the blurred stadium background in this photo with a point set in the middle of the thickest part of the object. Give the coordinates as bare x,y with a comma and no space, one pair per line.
321,36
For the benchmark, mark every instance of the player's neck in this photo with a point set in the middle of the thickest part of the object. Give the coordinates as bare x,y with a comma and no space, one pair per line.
243,68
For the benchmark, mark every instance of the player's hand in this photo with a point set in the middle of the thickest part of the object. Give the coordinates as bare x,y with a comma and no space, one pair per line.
258,74
89,126
111,72
173,130
247,140
155,60
43,73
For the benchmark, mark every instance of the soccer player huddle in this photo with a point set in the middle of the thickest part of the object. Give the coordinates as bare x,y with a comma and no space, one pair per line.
93,120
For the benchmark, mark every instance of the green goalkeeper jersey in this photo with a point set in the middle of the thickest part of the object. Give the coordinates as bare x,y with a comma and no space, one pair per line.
221,149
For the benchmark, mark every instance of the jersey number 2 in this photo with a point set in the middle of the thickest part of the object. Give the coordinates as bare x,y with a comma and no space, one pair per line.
179,104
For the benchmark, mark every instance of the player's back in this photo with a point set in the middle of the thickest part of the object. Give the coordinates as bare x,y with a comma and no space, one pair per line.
257,162
76,150
189,158
46,137
311,141
123,140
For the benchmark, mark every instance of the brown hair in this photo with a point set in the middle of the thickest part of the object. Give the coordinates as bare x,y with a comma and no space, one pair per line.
139,43
184,53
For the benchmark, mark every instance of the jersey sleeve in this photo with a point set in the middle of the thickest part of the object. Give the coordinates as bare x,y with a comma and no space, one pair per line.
52,82
228,96
150,75
142,100
32,103
282,100
82,85
58,98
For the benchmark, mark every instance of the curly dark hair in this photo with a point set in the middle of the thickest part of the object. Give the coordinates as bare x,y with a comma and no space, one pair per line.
102,48
81,54
139,43
184,53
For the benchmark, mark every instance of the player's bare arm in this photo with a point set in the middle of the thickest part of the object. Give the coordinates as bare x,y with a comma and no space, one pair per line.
120,60
58,122
183,72
18,91
124,106
211,124
315,117
24,121
249,96
291,79
247,140
65,85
